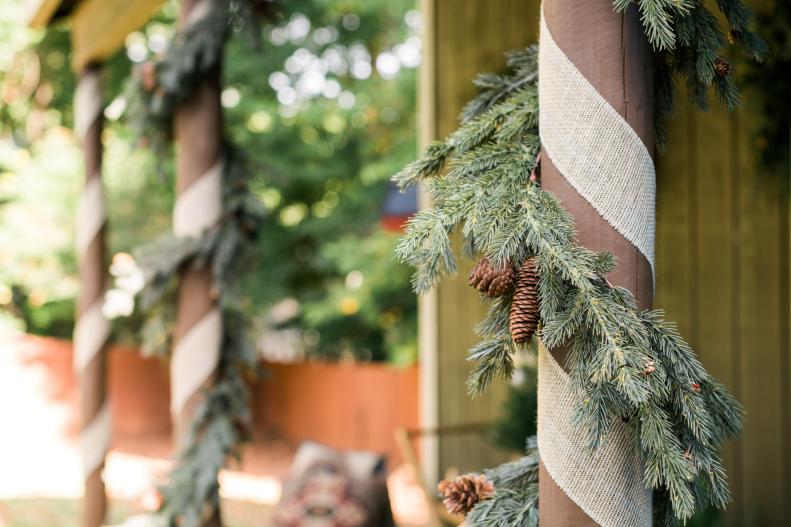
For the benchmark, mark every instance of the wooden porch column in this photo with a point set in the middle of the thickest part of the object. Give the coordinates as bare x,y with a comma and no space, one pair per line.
91,328
198,333
612,53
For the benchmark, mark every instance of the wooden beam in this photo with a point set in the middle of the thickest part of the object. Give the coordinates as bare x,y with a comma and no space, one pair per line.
451,60
99,27
38,13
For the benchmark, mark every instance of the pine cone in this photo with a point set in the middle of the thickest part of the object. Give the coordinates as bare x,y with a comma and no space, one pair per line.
464,492
490,281
721,68
148,76
523,319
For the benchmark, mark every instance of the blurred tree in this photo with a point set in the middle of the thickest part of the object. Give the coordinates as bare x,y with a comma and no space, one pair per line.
326,112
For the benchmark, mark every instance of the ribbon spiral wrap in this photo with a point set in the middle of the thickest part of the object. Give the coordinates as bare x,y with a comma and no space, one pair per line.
198,208
602,157
194,359
91,329
595,148
606,484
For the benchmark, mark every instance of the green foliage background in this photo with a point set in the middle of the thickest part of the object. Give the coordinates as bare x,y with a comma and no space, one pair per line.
323,168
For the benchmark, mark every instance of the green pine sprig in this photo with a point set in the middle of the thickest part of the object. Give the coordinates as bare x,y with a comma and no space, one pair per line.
479,183
688,41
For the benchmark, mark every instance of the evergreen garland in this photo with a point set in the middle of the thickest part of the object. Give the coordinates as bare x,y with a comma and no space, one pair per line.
624,363
515,499
160,85
688,42
770,82
222,421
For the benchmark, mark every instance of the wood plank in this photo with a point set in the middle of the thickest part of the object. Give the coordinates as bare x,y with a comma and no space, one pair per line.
712,257
785,337
428,304
38,13
731,299
761,337
100,27
674,256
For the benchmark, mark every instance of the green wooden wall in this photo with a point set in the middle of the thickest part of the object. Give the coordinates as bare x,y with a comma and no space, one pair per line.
722,263
723,275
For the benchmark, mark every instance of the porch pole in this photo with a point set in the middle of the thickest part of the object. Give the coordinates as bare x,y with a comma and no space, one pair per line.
610,51
91,329
198,333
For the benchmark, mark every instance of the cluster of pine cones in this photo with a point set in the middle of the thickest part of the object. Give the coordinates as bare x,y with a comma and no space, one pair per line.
494,282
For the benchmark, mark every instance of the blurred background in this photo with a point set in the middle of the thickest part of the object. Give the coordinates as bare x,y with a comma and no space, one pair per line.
325,113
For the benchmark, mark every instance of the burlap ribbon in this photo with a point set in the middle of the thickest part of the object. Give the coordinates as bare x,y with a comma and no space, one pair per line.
594,147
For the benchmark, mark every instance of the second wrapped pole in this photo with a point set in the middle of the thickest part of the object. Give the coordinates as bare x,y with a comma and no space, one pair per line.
199,168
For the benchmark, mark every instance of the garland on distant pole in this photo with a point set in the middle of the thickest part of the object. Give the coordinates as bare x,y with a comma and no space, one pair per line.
218,244
626,367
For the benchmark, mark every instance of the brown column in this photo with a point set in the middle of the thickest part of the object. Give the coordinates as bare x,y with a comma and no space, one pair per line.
611,51
198,126
91,255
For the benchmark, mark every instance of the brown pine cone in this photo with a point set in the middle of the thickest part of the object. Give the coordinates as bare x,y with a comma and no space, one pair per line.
524,316
463,493
490,281
721,68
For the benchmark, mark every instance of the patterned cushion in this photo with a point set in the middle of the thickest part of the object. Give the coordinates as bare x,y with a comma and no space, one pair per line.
332,488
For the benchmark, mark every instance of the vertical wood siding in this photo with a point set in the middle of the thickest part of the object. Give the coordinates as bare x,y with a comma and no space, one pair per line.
722,274
469,37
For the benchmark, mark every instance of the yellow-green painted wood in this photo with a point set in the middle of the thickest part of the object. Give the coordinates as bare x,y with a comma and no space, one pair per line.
465,37
38,13
99,27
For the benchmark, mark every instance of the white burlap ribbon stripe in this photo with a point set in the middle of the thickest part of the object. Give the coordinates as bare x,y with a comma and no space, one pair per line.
198,12
194,359
90,334
594,148
606,484
95,439
91,214
88,102
603,158
200,206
